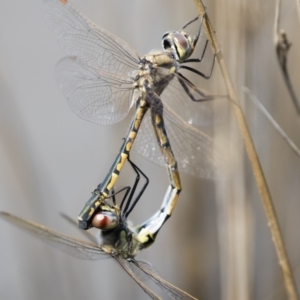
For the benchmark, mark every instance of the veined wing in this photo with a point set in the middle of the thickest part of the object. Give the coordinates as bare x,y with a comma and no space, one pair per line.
197,114
93,46
171,289
75,247
74,223
193,149
144,267
94,95
126,266
89,251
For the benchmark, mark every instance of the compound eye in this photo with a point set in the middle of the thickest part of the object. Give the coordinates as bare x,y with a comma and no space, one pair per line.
183,45
105,220
181,41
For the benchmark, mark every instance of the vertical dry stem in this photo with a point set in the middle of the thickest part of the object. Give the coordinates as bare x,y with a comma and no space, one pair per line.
282,45
298,8
256,167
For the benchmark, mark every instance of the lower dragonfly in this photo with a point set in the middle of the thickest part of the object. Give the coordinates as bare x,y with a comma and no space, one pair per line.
118,239
103,77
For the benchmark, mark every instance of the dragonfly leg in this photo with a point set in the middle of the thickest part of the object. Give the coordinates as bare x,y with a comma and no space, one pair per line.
198,72
190,22
92,206
197,59
128,209
196,38
133,188
187,89
113,194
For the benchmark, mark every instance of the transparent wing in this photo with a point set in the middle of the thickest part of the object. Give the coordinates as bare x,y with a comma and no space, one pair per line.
92,45
172,290
89,251
195,151
128,268
94,95
85,233
75,247
198,114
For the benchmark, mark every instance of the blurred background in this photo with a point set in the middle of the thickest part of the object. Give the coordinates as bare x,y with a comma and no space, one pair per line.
217,245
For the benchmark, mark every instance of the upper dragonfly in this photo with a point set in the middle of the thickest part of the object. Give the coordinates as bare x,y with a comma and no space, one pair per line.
103,77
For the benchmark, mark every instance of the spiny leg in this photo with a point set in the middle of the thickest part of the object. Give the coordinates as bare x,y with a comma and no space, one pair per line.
113,194
186,87
198,72
190,22
129,189
90,208
138,171
182,78
133,188
196,38
197,59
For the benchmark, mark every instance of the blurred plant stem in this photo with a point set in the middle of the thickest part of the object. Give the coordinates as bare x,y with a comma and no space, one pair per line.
283,45
277,127
253,157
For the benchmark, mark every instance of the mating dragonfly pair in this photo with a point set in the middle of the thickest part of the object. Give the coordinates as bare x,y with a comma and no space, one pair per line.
102,78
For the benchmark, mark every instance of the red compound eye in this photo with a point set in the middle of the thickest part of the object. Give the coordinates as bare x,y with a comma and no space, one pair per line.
105,220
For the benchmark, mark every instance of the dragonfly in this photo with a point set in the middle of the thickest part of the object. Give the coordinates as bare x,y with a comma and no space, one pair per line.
103,78
118,240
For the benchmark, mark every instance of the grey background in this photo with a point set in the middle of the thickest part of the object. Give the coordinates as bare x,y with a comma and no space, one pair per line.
217,244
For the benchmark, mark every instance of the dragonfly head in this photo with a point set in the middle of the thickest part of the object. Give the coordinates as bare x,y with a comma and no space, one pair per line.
179,43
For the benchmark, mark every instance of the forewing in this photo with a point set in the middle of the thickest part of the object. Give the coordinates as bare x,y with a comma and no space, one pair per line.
85,233
126,266
94,95
195,151
92,45
199,114
75,247
172,290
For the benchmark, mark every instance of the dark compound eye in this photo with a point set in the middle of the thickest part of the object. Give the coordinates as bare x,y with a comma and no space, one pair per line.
166,44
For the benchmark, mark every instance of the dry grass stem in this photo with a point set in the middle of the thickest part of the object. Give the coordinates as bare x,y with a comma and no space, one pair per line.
282,133
298,8
254,160
282,45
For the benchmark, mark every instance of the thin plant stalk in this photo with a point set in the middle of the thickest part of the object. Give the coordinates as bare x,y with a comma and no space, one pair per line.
283,45
298,9
254,160
276,126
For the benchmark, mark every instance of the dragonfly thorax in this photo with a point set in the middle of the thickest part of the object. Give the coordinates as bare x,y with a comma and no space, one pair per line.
156,71
121,240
